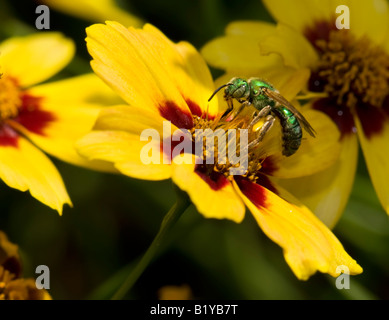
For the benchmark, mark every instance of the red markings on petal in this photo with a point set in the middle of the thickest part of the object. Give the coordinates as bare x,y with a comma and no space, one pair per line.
12,264
31,116
268,166
372,119
181,118
341,115
197,111
215,180
168,146
385,106
194,108
253,191
8,136
319,30
171,112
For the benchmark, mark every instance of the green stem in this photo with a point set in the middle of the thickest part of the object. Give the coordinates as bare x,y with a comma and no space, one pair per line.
168,222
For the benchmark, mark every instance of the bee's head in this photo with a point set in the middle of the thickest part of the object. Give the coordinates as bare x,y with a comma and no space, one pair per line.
237,88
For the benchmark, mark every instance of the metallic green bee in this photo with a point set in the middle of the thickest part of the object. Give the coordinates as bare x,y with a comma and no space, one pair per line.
269,102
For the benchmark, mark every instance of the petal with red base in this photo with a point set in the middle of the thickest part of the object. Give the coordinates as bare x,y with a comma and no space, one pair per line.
375,148
211,193
153,77
24,167
127,153
308,245
327,192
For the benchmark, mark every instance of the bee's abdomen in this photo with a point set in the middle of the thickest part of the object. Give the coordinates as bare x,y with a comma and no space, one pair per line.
291,131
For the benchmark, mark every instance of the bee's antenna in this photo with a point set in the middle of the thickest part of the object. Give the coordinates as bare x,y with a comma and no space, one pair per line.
218,89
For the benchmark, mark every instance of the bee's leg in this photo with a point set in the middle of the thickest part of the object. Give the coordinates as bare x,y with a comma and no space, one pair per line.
263,113
264,129
230,106
242,106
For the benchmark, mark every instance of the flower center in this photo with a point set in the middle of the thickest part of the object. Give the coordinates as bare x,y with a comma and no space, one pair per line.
351,70
229,145
10,100
5,278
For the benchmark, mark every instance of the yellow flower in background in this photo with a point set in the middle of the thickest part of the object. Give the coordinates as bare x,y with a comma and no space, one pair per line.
94,11
49,117
182,292
161,80
343,72
12,285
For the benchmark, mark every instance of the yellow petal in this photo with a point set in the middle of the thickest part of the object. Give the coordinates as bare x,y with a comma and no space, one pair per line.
24,167
87,88
134,121
300,14
199,84
70,123
385,43
314,154
95,11
239,53
376,151
236,52
308,245
144,68
366,17
214,197
125,151
129,119
35,58
192,76
291,45
327,192
254,30
369,18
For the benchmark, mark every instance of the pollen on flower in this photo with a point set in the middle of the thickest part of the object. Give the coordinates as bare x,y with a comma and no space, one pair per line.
10,100
351,70
12,285
5,278
216,155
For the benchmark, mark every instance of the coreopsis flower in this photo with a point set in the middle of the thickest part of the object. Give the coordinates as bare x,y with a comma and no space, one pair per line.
12,285
49,117
163,81
95,11
342,72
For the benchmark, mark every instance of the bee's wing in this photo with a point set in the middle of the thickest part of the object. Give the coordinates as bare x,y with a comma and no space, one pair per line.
280,99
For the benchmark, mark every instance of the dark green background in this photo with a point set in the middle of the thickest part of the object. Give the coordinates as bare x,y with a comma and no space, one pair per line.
115,218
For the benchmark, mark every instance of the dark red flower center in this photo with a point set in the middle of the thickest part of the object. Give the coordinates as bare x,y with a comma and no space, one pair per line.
354,72
20,107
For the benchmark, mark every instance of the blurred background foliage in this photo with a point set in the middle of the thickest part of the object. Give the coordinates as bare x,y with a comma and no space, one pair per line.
94,245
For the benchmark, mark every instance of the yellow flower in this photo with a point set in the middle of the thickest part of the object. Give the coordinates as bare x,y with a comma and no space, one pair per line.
95,11
161,80
182,292
343,72
49,116
12,286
